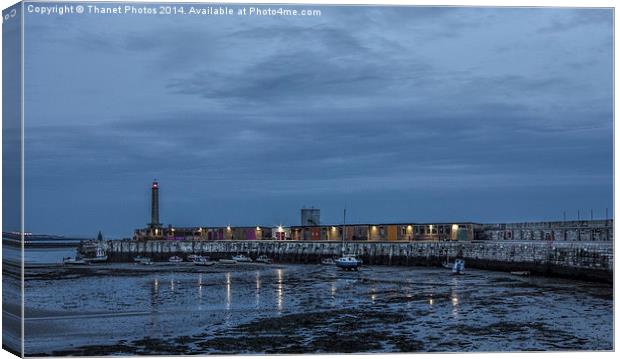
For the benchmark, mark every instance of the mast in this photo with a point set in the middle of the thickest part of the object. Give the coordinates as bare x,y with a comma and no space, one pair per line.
344,229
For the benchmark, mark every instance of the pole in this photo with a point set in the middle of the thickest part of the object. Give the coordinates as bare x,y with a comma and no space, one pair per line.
344,229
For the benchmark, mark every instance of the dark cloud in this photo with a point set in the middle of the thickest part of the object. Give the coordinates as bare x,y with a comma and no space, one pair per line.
400,113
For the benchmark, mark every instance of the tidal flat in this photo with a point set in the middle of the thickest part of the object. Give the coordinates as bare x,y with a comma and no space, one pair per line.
127,309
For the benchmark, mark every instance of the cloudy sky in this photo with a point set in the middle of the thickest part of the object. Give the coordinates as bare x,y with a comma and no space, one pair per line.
401,114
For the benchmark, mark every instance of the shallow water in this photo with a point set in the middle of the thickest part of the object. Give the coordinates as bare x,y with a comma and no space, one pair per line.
253,308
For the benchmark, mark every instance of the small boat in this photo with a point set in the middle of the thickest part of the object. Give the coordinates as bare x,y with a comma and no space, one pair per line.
202,261
140,259
263,259
328,261
146,262
458,267
175,259
228,261
73,261
194,257
239,258
348,262
100,256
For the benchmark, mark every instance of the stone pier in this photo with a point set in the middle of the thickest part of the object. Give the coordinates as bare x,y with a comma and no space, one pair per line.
580,260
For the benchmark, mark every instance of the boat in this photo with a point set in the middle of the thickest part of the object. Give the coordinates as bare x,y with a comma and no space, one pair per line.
140,259
227,261
347,261
146,262
202,261
458,267
328,261
100,256
239,258
73,261
195,257
263,259
175,259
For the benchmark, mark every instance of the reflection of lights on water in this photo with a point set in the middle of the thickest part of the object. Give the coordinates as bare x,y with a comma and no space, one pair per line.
373,297
455,304
258,284
172,285
334,290
228,291
200,285
279,288
431,301
156,284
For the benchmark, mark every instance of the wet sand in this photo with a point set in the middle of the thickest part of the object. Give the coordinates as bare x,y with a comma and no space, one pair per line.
129,309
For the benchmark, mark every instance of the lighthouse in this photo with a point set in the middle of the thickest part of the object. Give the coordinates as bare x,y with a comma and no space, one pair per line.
155,225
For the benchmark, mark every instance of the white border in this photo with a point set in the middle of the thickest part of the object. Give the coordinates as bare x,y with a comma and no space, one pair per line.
485,3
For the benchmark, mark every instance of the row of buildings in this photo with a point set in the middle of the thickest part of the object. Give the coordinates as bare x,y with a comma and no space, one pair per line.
311,229
353,232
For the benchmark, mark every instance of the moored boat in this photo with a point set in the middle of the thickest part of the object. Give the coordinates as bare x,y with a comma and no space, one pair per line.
140,259
240,258
327,261
263,259
458,267
73,261
194,257
175,259
227,261
100,256
348,262
202,261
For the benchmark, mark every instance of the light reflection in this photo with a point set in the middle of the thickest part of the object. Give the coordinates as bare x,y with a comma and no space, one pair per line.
258,284
200,285
228,291
455,303
279,289
172,284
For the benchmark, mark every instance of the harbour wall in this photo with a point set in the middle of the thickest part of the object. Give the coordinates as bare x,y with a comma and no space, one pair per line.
587,230
580,260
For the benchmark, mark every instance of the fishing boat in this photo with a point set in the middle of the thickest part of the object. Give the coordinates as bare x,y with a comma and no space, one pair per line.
328,261
73,261
175,259
347,261
263,259
240,258
100,256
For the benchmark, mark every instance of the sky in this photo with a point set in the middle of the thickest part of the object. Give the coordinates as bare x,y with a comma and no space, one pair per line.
399,114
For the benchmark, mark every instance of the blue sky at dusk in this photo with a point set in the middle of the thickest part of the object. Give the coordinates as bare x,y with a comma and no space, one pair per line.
401,114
